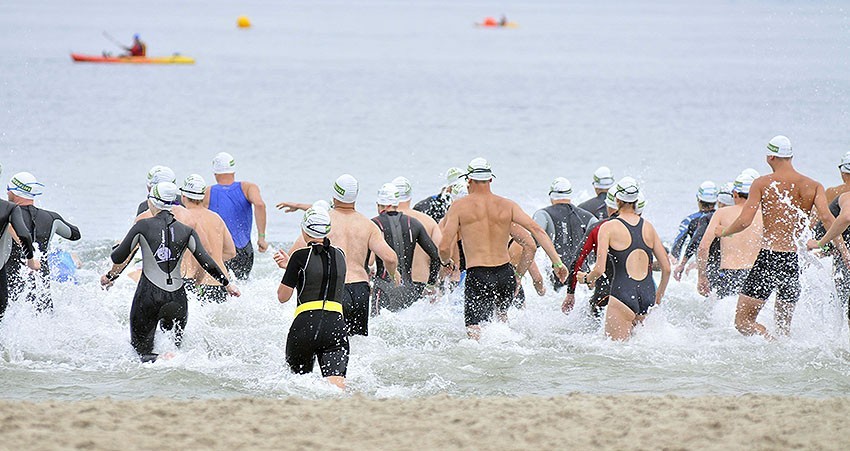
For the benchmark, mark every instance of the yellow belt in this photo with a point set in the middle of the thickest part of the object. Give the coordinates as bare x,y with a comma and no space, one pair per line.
330,306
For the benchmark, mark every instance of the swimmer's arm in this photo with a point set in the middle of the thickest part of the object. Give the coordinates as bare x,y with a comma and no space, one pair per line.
520,217
210,266
748,213
536,278
65,229
661,255
589,245
207,196
705,245
284,293
291,207
603,240
382,250
450,227
834,226
680,238
290,276
544,220
123,253
427,245
253,195
19,227
529,248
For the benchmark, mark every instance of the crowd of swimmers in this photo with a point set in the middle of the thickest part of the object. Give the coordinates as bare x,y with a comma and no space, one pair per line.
347,267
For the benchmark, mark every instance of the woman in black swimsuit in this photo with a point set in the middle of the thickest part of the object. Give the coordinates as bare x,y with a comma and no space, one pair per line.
631,242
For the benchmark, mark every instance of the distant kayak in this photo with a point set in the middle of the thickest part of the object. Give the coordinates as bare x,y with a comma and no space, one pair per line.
174,59
496,25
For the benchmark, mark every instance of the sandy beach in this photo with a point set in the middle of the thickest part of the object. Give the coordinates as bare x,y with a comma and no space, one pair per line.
574,421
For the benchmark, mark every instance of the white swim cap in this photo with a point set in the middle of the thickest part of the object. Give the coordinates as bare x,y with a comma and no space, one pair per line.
780,146
194,187
316,222
707,192
223,163
24,184
346,189
724,194
603,178
627,190
453,174
743,183
751,172
160,174
611,198
163,195
479,169
459,190
560,189
323,204
405,190
640,204
388,195
845,163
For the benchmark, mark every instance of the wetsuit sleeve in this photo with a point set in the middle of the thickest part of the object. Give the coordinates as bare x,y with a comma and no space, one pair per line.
16,218
122,252
696,238
296,262
680,238
544,220
692,233
589,246
65,229
430,248
201,255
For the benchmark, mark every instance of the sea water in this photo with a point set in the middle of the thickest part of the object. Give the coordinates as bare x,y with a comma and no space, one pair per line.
671,93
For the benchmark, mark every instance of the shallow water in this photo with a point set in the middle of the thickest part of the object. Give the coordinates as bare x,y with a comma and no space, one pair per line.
672,93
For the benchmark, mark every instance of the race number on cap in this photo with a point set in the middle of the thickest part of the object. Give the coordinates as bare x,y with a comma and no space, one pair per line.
346,189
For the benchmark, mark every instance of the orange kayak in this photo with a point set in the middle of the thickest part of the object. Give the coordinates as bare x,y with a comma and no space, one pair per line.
174,59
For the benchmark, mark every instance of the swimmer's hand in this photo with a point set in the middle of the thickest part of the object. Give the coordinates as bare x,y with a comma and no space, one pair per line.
677,273
539,287
569,302
281,258
812,245
232,290
34,264
291,207
702,285
106,282
397,278
262,244
561,271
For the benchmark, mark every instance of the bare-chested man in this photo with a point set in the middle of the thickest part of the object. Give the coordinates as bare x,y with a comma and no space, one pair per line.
421,261
216,237
356,235
786,198
482,220
737,253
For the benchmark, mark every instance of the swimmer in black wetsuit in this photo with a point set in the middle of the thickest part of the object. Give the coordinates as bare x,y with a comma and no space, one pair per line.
402,233
318,272
630,241
160,295
436,206
23,188
10,214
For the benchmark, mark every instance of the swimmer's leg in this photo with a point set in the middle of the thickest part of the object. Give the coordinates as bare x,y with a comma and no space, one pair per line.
745,316
474,332
174,316
784,313
619,320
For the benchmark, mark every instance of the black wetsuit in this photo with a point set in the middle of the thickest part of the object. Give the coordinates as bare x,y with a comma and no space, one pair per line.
43,225
596,206
318,273
567,226
161,294
638,295
402,233
434,206
696,230
841,271
11,214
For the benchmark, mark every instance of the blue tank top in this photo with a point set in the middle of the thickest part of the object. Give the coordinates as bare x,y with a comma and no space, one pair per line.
230,203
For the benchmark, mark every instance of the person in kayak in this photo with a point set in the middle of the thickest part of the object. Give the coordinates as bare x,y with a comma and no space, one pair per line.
161,295
138,48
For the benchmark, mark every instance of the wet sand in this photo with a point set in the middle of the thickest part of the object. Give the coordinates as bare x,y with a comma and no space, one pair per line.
574,421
